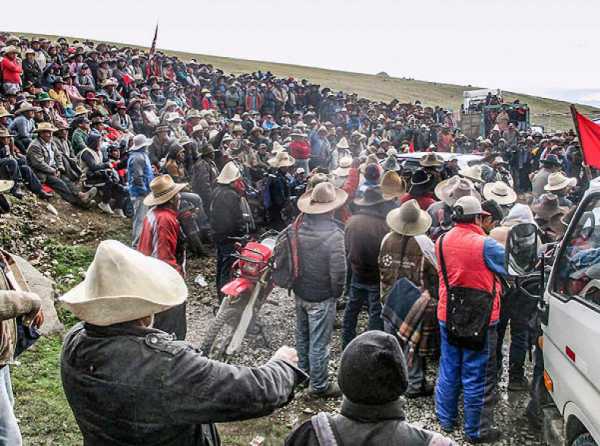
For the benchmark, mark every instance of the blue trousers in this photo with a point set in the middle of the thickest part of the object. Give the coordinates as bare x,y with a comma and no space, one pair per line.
10,435
314,326
360,294
475,372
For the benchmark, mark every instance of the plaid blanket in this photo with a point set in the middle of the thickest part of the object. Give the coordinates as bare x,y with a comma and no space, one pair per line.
411,315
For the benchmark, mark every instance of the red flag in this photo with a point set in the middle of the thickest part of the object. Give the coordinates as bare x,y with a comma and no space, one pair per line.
589,135
153,47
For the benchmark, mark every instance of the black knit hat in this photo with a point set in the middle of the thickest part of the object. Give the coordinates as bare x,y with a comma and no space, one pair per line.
373,369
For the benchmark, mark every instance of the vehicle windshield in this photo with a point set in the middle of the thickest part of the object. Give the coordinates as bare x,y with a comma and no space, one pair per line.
579,264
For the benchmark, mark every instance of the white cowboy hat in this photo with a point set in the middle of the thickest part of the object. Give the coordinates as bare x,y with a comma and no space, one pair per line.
229,174
24,107
123,285
140,141
500,192
282,159
453,188
343,143
277,147
409,219
431,160
558,181
6,185
162,188
472,173
323,198
392,185
344,166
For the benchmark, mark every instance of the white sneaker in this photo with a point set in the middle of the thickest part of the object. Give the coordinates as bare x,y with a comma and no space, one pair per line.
120,214
86,197
105,207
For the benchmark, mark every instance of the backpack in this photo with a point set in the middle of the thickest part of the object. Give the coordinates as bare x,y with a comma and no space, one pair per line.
286,264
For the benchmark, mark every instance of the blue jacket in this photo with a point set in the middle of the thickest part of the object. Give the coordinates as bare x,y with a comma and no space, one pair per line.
139,173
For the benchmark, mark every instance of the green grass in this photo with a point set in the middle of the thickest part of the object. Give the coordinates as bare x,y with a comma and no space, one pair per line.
44,414
552,114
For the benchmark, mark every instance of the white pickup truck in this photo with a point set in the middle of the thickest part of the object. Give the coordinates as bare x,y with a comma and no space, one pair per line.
571,328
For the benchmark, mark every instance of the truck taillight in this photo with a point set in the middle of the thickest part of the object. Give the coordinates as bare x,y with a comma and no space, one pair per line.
548,382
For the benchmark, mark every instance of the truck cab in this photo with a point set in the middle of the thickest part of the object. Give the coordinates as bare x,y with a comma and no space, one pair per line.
571,330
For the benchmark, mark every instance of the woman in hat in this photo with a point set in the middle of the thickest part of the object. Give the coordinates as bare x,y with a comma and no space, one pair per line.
100,175
406,252
421,186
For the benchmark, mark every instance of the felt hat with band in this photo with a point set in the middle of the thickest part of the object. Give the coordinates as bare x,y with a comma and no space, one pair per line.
162,189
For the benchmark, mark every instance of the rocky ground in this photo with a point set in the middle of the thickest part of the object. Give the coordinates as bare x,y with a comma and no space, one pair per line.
61,245
279,322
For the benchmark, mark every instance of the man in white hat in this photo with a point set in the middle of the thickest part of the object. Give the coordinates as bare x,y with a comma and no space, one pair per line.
227,219
23,125
160,238
139,176
279,189
46,162
320,283
468,262
131,384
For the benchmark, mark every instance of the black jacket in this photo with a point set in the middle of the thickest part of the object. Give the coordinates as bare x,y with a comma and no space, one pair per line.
226,219
362,425
322,259
128,385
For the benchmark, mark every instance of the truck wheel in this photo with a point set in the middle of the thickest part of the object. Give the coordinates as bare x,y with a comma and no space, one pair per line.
584,440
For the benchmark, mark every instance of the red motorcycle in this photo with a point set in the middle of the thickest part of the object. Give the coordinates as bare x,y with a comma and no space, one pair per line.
244,296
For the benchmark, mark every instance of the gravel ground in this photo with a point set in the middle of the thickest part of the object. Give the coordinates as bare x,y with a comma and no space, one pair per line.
279,324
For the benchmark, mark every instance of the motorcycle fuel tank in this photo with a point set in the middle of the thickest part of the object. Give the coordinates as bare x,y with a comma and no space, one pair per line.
237,287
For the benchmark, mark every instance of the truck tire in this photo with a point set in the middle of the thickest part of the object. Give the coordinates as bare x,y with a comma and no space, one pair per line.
221,330
584,440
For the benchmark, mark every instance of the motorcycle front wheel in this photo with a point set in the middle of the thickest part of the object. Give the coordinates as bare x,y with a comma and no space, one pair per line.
221,329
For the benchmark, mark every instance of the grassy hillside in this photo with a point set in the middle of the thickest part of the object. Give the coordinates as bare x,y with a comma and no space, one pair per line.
552,114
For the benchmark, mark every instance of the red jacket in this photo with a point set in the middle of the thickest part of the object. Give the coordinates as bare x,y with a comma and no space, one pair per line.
424,200
465,264
159,236
11,71
300,150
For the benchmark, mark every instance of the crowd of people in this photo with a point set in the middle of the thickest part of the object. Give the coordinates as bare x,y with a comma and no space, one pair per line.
145,136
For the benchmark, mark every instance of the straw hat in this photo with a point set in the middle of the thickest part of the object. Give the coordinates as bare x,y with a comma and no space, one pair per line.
431,160
343,143
6,185
391,164
140,141
5,133
455,187
472,173
229,174
392,185
282,159
277,147
325,197
24,107
45,127
409,219
558,181
81,110
4,113
123,285
344,166
500,192
547,206
162,189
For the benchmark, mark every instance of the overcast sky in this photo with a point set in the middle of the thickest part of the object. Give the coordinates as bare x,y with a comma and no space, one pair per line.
542,47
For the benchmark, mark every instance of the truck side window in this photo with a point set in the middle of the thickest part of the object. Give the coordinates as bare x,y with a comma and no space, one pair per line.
578,271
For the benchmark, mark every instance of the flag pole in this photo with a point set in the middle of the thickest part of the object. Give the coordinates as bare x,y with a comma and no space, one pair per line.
586,168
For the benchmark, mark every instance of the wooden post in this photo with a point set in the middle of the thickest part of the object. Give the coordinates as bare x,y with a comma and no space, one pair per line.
586,168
